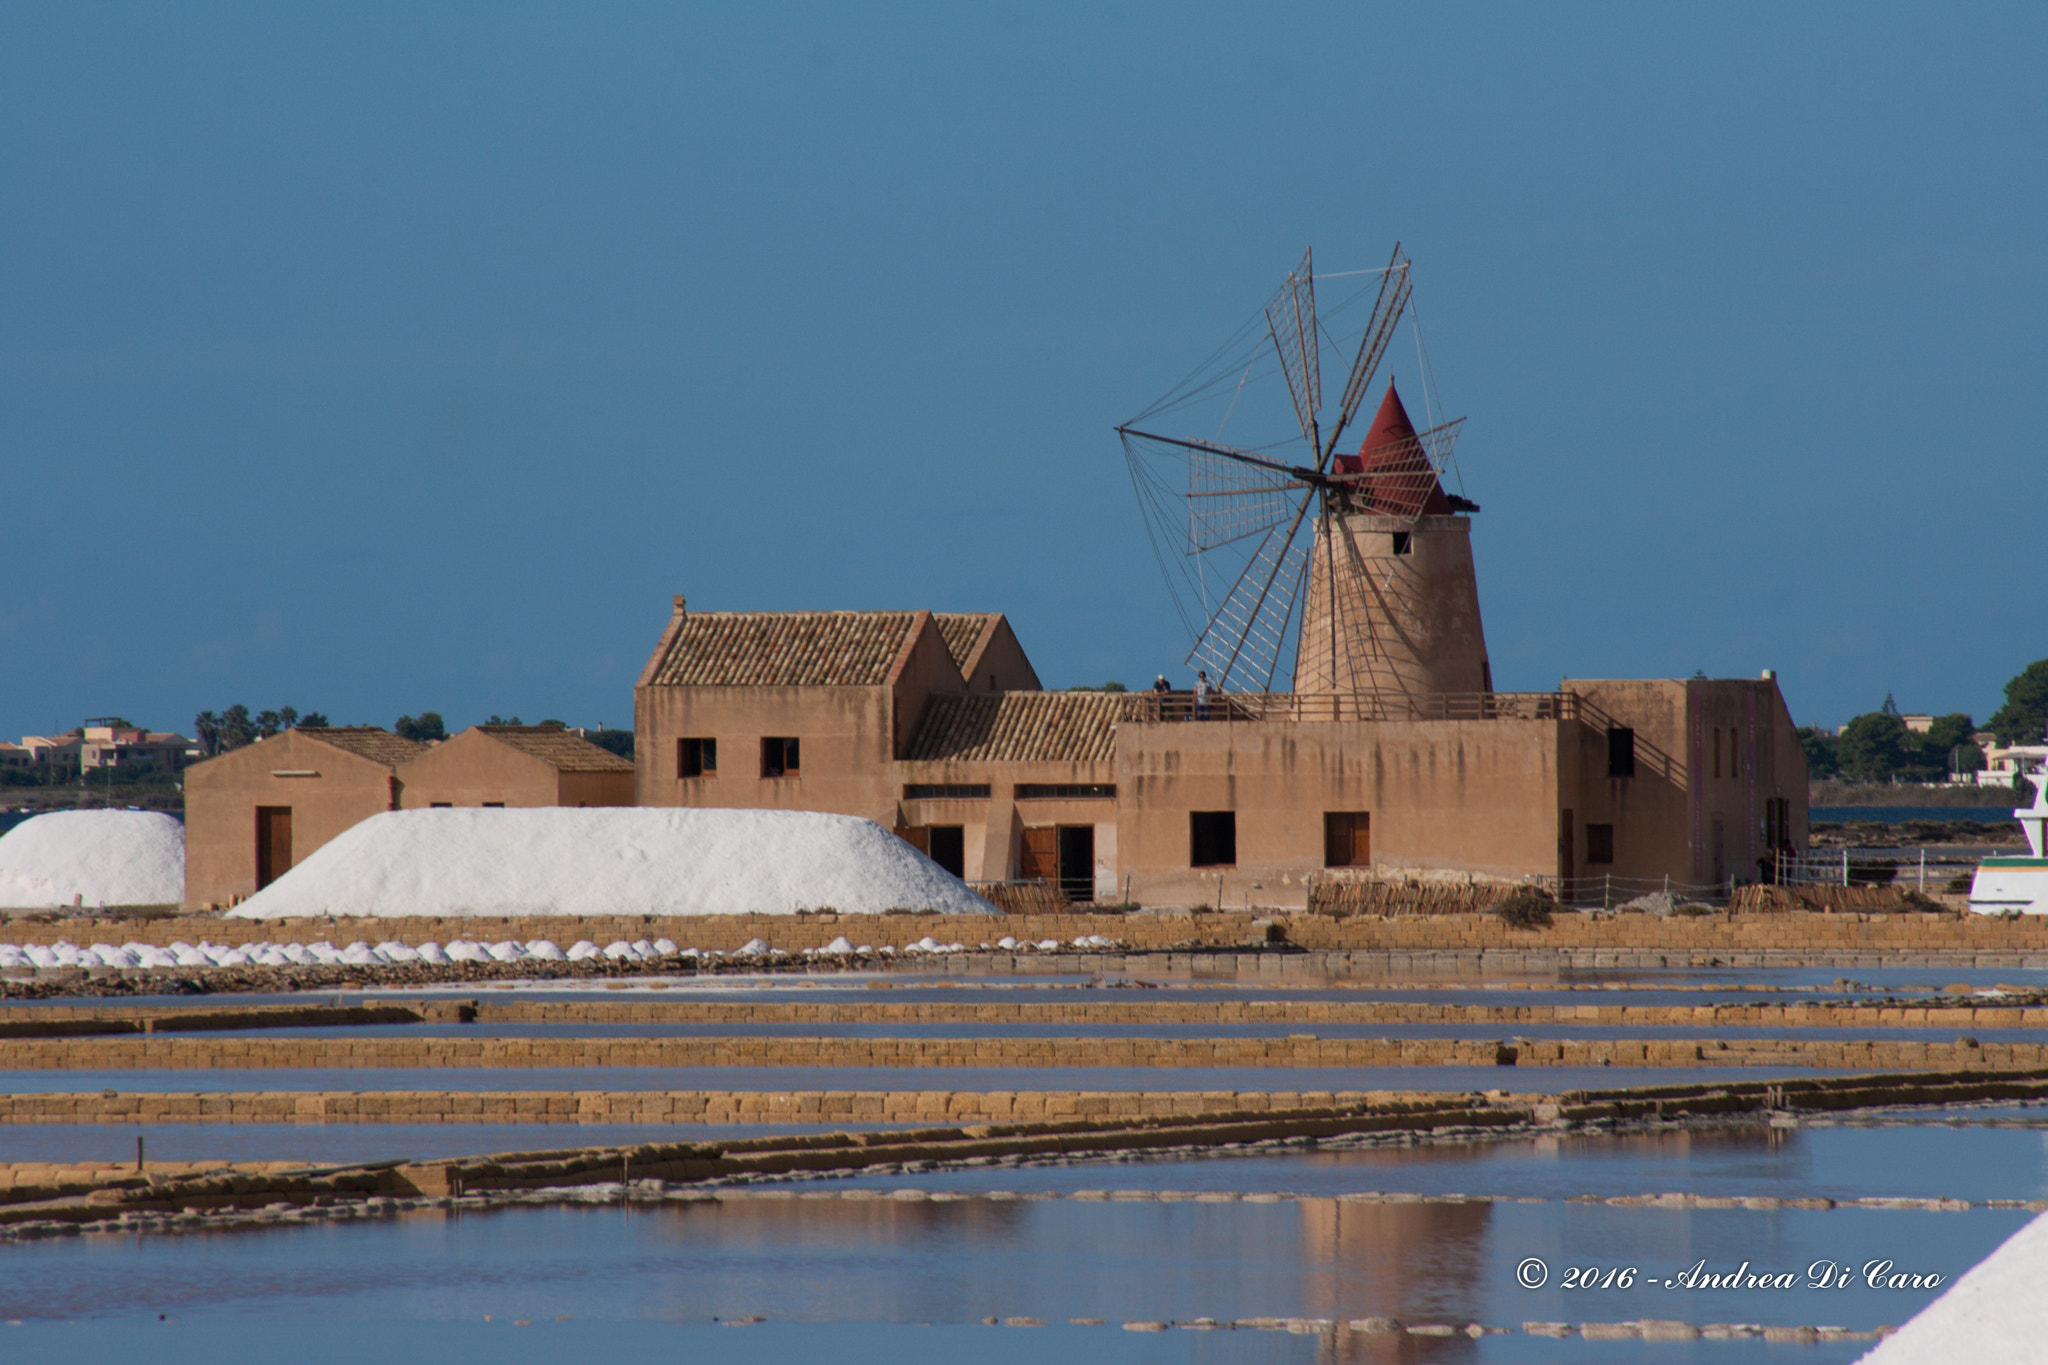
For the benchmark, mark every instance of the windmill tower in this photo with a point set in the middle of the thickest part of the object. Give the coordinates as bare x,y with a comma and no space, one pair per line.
1348,577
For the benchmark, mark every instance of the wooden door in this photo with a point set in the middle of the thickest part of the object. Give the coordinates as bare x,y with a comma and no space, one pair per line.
1347,838
273,843
1041,854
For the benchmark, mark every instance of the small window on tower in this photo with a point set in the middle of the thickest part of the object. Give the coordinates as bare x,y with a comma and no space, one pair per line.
696,757
1599,843
1401,542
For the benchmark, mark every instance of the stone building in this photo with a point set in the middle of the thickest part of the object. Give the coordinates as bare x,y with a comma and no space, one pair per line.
1122,795
253,813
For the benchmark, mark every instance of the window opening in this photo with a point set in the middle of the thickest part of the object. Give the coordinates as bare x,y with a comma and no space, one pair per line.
779,758
1621,752
1067,791
1599,843
1212,838
945,791
696,757
1402,544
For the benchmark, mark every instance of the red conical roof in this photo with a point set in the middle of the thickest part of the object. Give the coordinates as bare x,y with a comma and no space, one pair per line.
1402,484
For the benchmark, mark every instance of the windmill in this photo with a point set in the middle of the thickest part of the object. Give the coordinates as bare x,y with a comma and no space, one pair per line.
1296,559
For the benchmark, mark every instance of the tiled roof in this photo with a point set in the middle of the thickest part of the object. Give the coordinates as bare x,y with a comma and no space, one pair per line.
367,741
1018,727
960,629
784,649
569,753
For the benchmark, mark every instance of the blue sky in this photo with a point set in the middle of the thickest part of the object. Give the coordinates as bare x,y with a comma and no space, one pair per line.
378,359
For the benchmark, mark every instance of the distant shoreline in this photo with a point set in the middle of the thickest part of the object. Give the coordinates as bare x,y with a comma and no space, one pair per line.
1856,794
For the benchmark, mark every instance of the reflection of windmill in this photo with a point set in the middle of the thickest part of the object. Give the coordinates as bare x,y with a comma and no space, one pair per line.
1360,562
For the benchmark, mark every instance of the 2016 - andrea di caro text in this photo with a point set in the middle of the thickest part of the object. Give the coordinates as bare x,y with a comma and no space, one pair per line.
1533,1273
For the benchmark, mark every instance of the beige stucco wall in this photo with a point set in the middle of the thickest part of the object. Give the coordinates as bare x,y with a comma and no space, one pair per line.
992,829
473,769
1664,817
845,734
1445,797
1001,665
1406,623
222,794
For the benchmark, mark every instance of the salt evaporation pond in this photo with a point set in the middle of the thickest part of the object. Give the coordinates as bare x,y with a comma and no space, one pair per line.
832,1263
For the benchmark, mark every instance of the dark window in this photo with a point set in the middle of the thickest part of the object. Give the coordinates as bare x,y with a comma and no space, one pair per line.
696,757
1402,543
1717,751
1621,752
1599,843
494,805
1069,791
949,848
441,805
1734,752
1212,838
1347,838
779,758
942,791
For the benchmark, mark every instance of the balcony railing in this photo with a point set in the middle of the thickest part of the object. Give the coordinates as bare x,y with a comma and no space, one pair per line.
1243,707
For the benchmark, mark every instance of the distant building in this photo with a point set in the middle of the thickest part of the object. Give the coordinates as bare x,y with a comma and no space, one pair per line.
2002,765
1917,725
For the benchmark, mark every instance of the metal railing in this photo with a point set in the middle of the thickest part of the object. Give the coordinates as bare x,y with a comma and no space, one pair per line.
1248,707
1903,867
1609,892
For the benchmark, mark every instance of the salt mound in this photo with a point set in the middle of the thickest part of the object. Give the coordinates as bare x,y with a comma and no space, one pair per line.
612,861
93,857
1994,1314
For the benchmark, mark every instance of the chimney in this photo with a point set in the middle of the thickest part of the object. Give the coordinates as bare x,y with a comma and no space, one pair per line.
682,604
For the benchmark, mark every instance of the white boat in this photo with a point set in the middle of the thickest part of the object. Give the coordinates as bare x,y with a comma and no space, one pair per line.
2005,885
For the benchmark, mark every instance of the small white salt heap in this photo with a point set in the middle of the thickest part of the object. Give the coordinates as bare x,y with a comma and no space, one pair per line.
93,858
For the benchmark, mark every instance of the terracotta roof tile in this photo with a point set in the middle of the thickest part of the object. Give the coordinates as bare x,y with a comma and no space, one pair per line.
785,649
960,629
367,741
1019,727
569,753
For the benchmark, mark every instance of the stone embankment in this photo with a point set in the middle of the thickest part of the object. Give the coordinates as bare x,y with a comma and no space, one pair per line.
43,1193
152,1053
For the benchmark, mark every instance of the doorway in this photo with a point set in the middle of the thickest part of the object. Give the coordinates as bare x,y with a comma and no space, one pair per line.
1077,862
273,843
948,847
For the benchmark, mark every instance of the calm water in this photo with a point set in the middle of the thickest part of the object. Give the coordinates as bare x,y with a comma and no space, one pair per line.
897,1264
1990,815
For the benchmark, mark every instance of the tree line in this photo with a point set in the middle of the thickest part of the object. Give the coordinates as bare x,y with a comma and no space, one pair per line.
1877,746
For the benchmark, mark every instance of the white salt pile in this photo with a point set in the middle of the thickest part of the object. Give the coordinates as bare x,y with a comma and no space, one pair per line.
93,857
263,953
1994,1315
615,861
